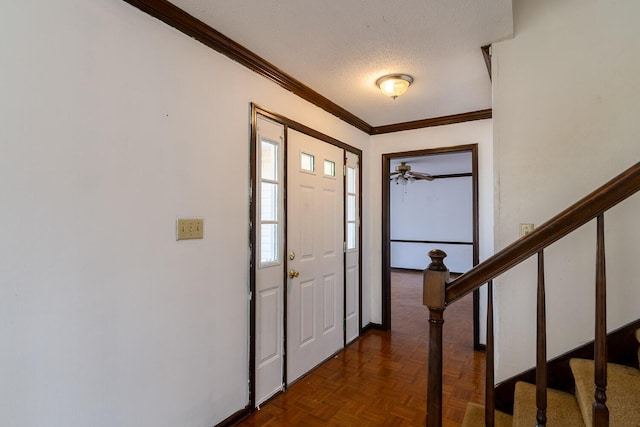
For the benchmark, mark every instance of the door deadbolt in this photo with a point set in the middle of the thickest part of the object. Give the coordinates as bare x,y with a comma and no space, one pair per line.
292,255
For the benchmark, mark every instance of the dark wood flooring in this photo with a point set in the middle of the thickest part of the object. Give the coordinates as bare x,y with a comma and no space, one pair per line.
381,379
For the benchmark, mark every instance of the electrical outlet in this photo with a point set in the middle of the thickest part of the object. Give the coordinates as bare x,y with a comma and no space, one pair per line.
189,228
525,229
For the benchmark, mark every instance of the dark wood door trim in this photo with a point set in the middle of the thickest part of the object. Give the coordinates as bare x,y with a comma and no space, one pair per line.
386,225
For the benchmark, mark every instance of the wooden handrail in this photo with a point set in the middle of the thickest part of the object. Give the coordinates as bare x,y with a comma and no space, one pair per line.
588,208
439,292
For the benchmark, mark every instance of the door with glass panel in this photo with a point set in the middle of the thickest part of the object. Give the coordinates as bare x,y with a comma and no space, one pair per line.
352,249
315,255
269,298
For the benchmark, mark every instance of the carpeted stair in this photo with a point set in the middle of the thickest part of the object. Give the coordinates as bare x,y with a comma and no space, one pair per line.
567,410
562,408
623,392
474,416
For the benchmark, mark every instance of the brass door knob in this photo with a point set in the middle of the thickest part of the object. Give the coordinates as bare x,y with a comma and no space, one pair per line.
293,274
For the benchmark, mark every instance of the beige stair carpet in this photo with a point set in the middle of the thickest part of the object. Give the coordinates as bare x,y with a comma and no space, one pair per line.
474,417
562,408
623,392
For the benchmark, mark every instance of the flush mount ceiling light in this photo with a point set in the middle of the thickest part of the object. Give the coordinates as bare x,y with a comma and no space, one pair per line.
394,85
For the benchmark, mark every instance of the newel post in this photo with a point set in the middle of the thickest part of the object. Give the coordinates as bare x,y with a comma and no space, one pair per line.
436,277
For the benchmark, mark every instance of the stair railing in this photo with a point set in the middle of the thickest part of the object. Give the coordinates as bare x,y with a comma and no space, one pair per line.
439,292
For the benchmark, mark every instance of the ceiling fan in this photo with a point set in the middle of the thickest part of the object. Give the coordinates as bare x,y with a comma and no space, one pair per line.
403,174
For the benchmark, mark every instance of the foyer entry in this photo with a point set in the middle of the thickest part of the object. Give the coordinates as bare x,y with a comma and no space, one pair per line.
381,379
306,263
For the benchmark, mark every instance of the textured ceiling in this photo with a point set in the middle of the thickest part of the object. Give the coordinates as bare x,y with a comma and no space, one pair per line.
340,48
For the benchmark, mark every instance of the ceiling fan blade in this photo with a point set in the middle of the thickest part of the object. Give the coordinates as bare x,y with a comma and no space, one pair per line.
394,173
424,176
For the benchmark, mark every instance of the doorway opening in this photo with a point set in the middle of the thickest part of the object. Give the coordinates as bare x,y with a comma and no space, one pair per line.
429,200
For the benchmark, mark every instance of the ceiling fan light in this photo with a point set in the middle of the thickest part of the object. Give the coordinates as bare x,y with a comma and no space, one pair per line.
394,85
403,168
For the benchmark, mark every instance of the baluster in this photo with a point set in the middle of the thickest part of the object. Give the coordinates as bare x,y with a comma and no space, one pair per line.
541,348
489,391
600,410
436,277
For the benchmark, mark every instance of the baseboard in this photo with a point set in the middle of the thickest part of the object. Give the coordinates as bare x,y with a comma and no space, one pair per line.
371,326
559,377
247,411
236,418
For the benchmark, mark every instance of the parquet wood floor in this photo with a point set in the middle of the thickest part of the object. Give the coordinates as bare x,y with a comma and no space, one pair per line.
381,379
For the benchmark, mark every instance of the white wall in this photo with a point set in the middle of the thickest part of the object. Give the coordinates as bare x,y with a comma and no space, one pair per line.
477,132
566,101
432,210
113,125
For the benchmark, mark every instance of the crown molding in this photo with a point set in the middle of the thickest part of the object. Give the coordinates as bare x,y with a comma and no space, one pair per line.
172,15
486,54
182,21
436,121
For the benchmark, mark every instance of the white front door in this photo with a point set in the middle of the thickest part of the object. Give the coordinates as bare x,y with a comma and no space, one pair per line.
315,257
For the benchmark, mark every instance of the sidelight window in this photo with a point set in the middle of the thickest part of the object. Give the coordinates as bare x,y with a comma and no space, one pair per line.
270,188
351,208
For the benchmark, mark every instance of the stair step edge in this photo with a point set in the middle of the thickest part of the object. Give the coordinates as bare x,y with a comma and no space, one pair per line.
562,408
474,417
623,391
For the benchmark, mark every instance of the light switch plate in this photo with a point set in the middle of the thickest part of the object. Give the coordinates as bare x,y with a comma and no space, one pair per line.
525,229
189,228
